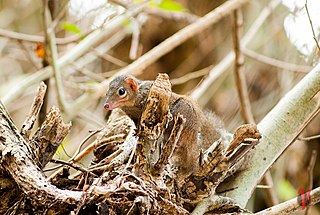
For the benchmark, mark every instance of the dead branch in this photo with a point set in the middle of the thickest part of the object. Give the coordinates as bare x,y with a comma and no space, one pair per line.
275,62
310,21
291,205
17,160
239,71
34,111
200,93
41,39
181,36
293,112
176,16
129,173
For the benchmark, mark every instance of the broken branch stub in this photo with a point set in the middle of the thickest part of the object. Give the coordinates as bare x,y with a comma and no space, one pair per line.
154,118
34,111
17,159
156,111
169,146
48,138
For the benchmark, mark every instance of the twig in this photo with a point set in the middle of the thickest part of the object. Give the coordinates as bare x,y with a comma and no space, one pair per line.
199,93
191,75
41,39
240,72
274,62
110,58
82,143
177,16
181,36
58,17
135,39
50,35
83,153
312,162
244,96
78,155
309,138
291,205
75,166
45,63
314,35
29,53
76,52
88,73
271,195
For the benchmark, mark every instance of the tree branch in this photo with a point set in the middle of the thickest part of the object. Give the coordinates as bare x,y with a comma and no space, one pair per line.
17,159
200,93
84,46
291,205
275,62
243,93
51,40
279,128
181,36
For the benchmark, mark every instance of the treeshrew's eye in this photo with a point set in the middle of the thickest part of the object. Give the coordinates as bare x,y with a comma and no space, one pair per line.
121,92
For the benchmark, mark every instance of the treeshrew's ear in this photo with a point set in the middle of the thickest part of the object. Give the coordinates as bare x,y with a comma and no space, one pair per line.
133,83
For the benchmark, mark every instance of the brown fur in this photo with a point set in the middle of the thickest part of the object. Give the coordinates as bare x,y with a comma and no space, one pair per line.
186,154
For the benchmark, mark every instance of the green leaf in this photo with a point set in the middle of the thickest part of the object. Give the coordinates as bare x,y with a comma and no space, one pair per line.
71,27
168,5
64,146
91,83
285,190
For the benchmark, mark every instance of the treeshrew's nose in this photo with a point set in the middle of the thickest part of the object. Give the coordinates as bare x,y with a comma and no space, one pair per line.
106,106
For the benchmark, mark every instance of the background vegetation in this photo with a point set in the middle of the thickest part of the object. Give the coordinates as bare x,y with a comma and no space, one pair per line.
77,46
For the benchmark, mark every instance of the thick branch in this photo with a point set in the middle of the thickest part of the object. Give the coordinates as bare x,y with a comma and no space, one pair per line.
279,128
49,137
17,160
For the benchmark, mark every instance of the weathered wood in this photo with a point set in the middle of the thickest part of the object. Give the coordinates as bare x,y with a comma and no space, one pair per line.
49,137
154,118
156,110
34,111
132,169
16,159
169,146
